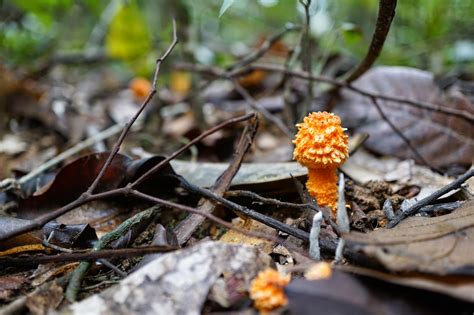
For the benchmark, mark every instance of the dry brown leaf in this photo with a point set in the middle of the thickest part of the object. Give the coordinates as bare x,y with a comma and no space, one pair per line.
440,245
234,237
441,139
461,287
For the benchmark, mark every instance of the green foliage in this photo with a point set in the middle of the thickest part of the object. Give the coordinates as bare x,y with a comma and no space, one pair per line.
430,34
128,37
225,5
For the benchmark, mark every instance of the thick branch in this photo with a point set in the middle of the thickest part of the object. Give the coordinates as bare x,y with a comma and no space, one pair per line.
384,20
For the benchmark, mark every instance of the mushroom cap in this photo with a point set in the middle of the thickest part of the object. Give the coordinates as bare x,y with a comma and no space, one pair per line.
320,141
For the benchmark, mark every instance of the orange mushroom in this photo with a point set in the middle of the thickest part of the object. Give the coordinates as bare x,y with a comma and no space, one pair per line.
321,146
267,290
140,87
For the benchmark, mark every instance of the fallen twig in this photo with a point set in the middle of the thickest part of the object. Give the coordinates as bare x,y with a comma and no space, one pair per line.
255,106
245,211
267,45
270,201
431,198
33,260
187,227
401,135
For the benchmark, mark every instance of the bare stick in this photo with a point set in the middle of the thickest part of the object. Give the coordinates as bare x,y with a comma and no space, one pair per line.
306,57
384,21
186,228
266,46
431,198
207,215
131,223
253,104
245,211
271,201
32,260
125,131
401,135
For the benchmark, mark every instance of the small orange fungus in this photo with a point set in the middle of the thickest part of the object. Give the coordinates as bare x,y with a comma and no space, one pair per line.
321,146
140,87
267,290
318,271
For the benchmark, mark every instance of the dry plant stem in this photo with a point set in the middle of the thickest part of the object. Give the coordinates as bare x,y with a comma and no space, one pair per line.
401,135
254,105
245,211
306,56
431,198
306,76
111,266
270,201
266,46
382,27
448,206
207,215
188,226
32,260
125,131
289,110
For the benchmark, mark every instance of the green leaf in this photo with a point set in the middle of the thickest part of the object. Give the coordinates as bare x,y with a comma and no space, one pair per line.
225,5
128,36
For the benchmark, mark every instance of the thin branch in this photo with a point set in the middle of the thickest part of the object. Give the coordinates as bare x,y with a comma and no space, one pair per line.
431,198
188,226
266,46
270,201
414,103
146,216
382,27
401,135
306,58
245,211
32,260
255,106
207,215
125,131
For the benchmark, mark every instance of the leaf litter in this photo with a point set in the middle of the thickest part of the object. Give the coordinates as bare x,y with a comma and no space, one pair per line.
230,238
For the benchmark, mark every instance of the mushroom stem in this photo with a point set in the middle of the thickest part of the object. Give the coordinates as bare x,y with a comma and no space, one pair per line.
322,184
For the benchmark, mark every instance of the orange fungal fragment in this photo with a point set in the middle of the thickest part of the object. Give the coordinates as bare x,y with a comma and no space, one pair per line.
267,290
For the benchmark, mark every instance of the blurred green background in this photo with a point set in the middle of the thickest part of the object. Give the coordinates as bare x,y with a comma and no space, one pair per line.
436,35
